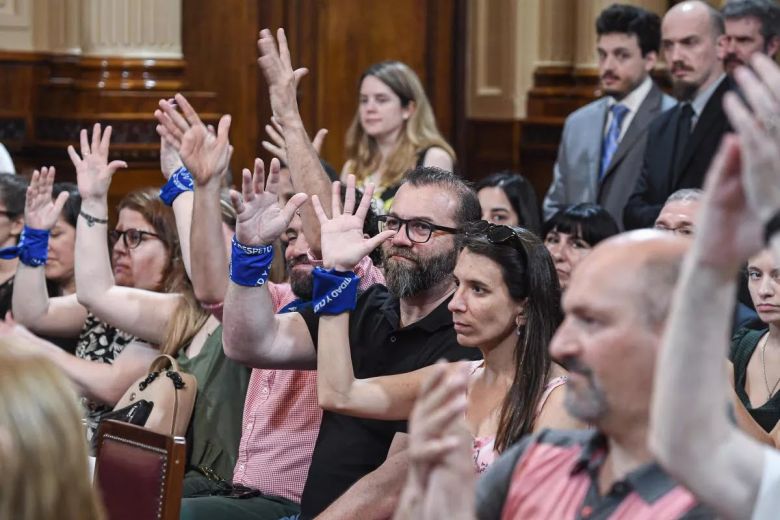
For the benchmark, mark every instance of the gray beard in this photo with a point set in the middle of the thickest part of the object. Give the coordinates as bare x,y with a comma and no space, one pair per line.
403,280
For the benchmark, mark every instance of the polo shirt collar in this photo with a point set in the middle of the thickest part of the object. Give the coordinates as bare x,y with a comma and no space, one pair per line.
437,319
648,480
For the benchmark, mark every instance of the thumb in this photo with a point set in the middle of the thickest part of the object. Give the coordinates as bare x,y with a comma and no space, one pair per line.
113,166
319,138
59,203
376,240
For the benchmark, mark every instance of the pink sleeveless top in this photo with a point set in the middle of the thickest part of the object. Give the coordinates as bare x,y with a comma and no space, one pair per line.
483,448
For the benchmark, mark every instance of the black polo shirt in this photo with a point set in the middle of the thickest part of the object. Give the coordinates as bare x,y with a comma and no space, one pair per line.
348,448
555,474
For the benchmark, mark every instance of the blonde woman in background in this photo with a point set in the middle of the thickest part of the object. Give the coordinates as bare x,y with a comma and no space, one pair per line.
43,453
393,131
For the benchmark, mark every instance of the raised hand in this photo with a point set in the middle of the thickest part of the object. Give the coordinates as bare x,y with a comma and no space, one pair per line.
281,78
730,229
758,127
40,211
259,218
342,240
205,154
93,171
278,146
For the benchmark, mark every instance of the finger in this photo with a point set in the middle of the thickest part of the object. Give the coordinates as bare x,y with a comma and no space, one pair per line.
236,200
84,142
277,125
246,185
275,135
272,183
170,127
211,129
189,113
768,71
284,49
377,240
169,138
440,417
95,146
739,115
432,450
760,98
74,157
717,170
258,180
177,120
223,130
60,201
365,202
318,210
295,202
335,199
113,166
319,138
349,198
298,75
275,150
105,140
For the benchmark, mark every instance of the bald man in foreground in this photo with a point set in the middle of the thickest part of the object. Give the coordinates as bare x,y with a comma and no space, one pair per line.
616,307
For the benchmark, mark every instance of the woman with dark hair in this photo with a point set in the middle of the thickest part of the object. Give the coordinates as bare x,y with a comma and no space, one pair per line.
507,304
572,232
508,198
62,242
393,131
12,189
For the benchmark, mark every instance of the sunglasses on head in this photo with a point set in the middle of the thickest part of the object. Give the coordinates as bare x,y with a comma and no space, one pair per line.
499,234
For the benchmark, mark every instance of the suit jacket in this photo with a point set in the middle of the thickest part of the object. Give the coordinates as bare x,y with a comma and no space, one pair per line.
659,178
576,173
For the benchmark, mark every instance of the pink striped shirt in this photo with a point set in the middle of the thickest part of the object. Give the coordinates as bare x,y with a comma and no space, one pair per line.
282,416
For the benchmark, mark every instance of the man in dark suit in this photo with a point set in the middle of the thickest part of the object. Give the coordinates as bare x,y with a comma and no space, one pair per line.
682,141
602,166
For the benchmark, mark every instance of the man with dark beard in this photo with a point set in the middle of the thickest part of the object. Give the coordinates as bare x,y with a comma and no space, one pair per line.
602,167
682,141
751,26
393,329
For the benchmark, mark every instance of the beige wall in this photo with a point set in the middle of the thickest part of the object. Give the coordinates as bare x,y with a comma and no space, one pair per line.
126,28
509,39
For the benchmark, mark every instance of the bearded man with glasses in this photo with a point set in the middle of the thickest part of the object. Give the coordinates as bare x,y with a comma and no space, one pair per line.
393,329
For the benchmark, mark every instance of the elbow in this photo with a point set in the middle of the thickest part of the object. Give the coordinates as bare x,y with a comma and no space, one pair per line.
333,401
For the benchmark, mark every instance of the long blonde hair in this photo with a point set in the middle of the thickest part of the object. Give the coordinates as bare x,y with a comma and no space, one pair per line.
419,132
43,452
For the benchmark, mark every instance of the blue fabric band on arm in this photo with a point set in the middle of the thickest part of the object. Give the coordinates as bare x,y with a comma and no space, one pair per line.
32,249
334,292
178,183
250,266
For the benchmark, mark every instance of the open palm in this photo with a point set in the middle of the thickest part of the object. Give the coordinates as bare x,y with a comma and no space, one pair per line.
259,218
342,240
40,211
93,171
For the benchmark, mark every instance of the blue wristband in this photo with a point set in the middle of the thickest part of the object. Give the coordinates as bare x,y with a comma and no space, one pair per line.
179,182
250,266
334,292
32,249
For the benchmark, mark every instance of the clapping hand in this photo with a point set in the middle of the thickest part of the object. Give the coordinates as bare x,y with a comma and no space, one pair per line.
40,211
259,218
93,171
205,154
343,243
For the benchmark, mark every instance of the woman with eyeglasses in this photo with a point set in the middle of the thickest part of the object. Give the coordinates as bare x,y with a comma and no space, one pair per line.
506,303
147,295
572,232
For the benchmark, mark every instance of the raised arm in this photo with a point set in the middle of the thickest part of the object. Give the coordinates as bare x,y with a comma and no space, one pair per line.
32,307
722,467
207,156
182,205
252,333
306,171
343,246
141,313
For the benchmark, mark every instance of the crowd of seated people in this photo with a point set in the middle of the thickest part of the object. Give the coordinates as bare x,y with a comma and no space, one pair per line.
434,348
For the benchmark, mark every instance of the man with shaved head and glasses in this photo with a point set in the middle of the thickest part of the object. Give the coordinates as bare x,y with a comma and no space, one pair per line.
396,328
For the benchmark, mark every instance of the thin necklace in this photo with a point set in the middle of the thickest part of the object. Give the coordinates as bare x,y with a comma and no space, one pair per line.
771,391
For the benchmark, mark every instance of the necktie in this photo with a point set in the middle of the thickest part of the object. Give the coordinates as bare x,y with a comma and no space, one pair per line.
683,133
612,139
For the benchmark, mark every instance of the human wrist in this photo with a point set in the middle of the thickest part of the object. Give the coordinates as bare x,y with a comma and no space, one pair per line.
179,182
250,265
97,207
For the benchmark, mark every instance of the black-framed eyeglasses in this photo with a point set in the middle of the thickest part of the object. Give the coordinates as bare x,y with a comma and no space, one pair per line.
131,237
417,231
